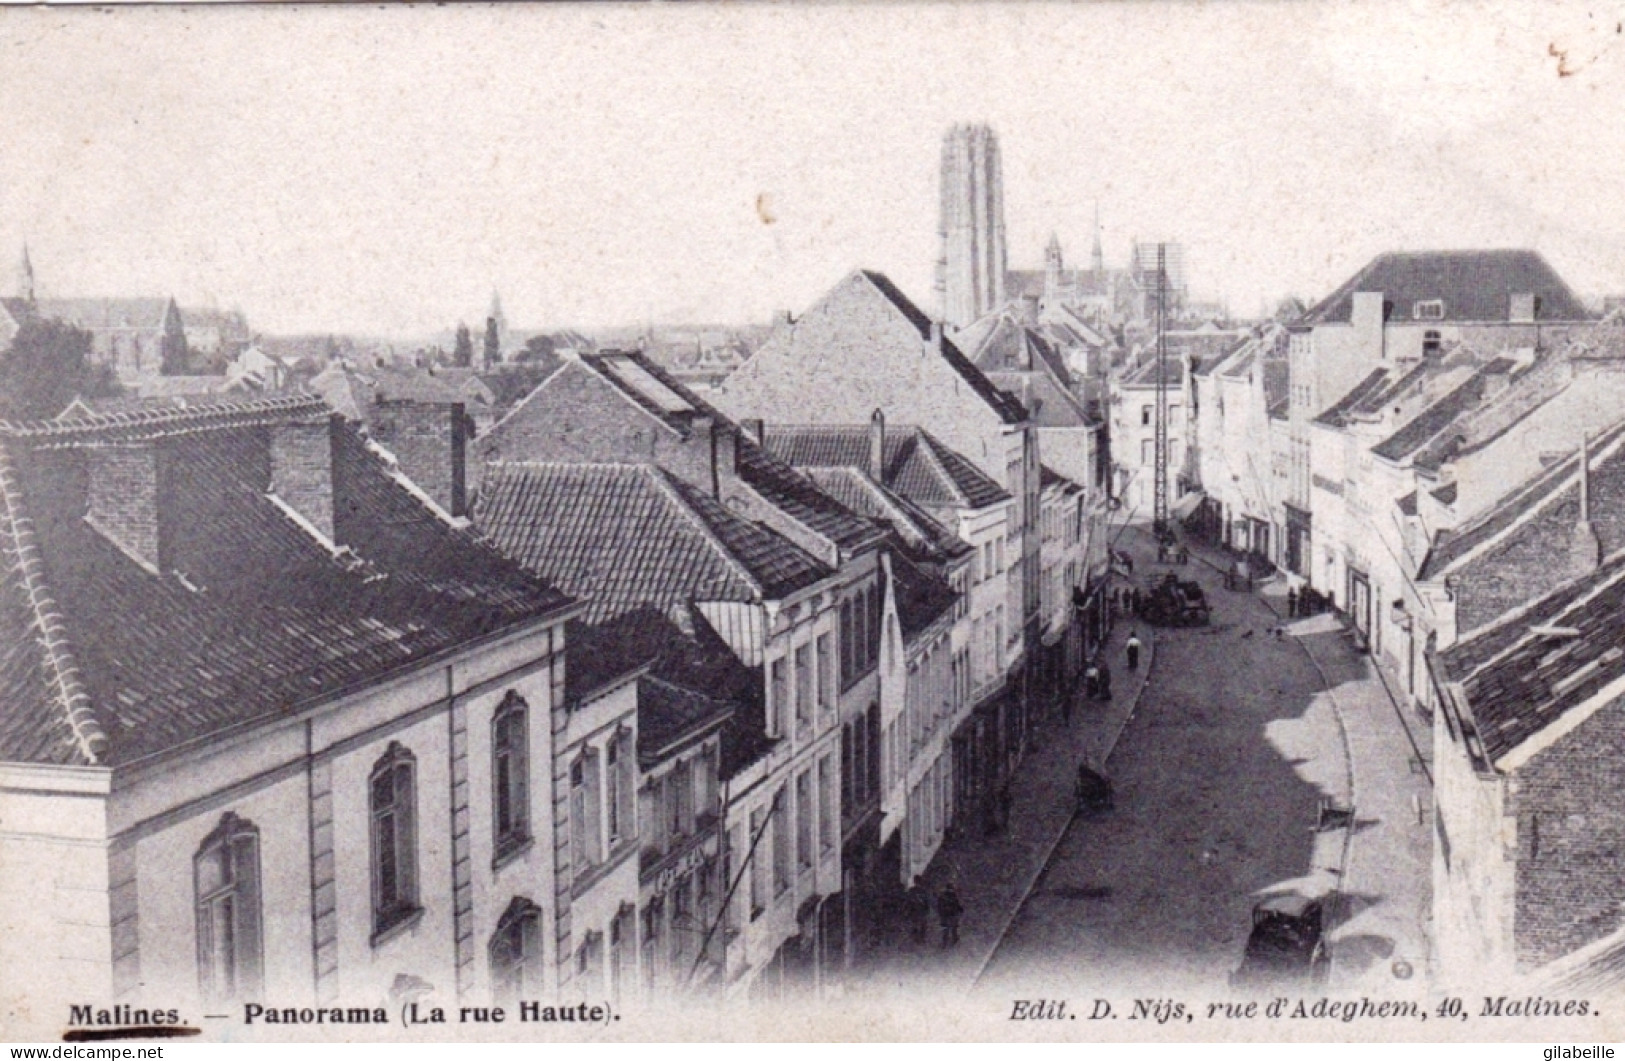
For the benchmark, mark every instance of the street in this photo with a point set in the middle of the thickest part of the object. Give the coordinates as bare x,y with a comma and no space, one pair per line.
1218,779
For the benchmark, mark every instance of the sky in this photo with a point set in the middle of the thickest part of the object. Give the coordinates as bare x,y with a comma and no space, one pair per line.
381,170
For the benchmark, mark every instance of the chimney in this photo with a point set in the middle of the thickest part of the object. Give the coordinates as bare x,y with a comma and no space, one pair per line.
724,453
1522,308
122,501
430,444
877,446
1367,315
1585,550
302,469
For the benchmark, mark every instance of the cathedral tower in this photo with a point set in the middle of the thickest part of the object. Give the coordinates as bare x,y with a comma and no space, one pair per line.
971,265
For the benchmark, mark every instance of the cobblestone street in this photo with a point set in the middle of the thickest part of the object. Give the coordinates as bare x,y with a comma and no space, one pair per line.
1220,763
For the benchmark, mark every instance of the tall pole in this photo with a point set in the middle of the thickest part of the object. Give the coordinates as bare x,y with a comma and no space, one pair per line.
1159,513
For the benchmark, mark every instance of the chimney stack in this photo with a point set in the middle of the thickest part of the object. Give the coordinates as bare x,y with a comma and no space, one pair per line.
302,469
122,502
877,446
724,454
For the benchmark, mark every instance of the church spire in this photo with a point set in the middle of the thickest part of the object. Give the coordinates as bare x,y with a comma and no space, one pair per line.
25,277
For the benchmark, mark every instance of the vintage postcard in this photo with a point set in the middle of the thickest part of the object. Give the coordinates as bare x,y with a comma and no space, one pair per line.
961,521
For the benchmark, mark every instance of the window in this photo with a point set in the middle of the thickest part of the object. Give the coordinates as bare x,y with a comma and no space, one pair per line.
515,951
779,695
804,686
1431,309
226,881
781,844
510,776
758,867
394,839
1148,451
804,820
680,799
705,784
1145,416
585,851
590,961
826,677
620,944
1432,342
826,808
998,547
654,916
622,772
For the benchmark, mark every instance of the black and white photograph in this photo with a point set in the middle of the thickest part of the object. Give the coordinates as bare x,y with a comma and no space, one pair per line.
1022,522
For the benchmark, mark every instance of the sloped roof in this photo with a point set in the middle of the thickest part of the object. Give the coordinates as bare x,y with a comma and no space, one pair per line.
1557,484
1008,409
1516,681
922,597
254,616
1474,285
1438,417
626,536
667,399
1337,414
919,530
1145,373
917,465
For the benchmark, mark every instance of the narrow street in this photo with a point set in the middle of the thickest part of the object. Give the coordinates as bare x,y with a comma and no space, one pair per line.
1219,776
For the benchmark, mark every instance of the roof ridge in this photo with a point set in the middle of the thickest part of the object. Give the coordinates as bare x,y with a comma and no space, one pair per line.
213,414
53,639
666,483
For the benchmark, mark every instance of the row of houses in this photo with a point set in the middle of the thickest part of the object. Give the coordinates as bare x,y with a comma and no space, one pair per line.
1434,449
626,696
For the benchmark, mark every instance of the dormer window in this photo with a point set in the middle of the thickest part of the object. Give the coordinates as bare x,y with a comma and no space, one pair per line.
1431,343
1429,309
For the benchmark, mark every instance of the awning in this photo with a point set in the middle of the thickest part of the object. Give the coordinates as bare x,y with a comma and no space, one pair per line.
1185,505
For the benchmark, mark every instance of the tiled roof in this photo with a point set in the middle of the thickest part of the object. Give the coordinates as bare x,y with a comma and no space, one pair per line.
1474,285
1048,477
1145,373
625,536
664,397
1337,414
918,466
919,531
1558,484
922,597
1008,409
253,615
1439,416
1517,680
669,715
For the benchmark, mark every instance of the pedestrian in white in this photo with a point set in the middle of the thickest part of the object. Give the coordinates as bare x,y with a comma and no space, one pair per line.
1133,647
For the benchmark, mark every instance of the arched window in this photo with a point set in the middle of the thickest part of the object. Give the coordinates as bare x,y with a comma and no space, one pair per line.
510,775
393,803
1432,341
516,951
226,881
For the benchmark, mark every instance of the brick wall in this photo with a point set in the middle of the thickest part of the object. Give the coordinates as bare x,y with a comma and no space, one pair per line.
1571,838
428,440
577,417
123,498
302,470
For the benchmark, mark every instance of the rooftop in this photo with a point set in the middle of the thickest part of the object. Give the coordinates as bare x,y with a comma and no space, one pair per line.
1473,285
254,613
627,536
916,465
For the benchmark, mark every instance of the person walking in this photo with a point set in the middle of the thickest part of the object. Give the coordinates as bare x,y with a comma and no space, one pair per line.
1133,648
949,910
1292,603
1105,681
1091,680
917,902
